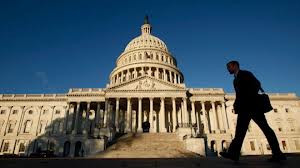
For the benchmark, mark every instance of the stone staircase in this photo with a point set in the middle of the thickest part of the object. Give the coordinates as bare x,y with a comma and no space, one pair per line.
147,145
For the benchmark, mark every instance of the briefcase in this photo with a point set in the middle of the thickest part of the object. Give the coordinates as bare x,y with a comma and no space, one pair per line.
264,103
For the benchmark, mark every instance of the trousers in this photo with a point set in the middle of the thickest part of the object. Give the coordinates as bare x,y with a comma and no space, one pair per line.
243,120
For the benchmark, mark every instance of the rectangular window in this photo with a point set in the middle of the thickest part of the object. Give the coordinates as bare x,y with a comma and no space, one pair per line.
2,111
11,127
252,145
279,129
5,147
284,145
57,112
22,147
45,111
275,110
287,110
15,111
27,127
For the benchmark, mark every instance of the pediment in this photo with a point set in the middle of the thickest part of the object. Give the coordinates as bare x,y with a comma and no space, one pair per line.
146,83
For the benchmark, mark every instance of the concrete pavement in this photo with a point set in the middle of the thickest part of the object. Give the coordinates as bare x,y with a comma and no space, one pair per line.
210,162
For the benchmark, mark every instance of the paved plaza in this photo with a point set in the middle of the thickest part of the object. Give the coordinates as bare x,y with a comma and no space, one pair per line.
209,162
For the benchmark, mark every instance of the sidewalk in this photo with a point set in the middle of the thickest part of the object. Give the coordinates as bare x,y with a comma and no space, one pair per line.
209,162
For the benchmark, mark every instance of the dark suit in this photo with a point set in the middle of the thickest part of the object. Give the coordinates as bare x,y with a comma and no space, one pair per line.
247,87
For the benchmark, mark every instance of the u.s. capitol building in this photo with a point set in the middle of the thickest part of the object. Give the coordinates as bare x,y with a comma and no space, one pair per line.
146,93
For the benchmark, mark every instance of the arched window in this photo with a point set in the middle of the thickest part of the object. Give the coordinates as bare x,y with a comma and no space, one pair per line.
27,126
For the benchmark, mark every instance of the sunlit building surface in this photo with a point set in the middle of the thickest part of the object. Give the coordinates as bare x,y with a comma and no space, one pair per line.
146,88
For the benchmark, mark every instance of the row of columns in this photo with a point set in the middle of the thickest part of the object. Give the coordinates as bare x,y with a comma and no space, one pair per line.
159,73
72,117
211,120
160,116
214,120
160,58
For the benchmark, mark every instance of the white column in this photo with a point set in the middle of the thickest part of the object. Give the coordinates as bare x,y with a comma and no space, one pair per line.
118,78
71,119
142,71
97,117
162,115
7,121
220,118
224,116
127,75
165,75
87,116
117,114
66,119
214,117
21,121
182,113
76,118
38,123
186,115
51,122
135,73
151,115
193,113
174,113
175,78
139,126
128,122
105,113
156,73
198,121
149,71
206,129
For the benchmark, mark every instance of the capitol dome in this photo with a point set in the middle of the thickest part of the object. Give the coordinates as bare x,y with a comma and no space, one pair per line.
146,41
146,55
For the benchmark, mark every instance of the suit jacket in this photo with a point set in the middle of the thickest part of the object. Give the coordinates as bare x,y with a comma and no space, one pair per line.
246,88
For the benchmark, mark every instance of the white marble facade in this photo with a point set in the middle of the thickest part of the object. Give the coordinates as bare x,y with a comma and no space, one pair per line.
145,85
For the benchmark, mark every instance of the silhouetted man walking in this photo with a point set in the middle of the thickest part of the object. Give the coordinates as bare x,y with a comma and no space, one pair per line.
246,88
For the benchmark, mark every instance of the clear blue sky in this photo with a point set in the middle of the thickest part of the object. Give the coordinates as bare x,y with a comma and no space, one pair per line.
49,46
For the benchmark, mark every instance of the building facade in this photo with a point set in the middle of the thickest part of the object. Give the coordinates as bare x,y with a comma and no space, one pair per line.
146,86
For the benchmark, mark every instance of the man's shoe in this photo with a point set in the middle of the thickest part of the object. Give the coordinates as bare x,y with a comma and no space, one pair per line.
277,158
229,155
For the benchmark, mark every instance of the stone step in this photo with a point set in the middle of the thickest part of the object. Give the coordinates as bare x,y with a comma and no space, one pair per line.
147,145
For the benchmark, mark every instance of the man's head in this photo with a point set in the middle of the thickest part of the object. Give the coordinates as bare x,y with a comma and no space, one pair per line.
233,67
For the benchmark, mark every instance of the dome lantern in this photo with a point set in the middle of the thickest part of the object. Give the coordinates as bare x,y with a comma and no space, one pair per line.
146,27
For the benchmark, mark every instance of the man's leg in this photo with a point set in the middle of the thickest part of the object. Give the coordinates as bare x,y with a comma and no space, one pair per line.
240,132
261,121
